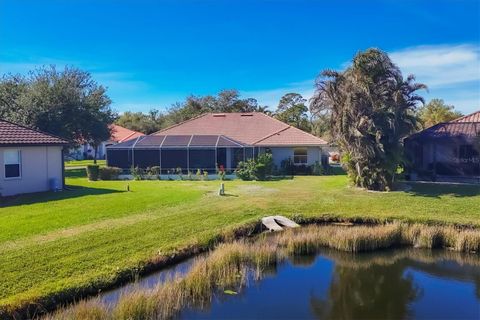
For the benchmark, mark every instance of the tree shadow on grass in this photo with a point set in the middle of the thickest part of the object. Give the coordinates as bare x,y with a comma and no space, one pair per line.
436,190
75,173
69,193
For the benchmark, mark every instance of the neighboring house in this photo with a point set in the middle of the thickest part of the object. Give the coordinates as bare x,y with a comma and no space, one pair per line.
218,139
447,151
30,161
119,135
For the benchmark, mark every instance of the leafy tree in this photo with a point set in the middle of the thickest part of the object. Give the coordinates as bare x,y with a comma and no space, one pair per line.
67,103
372,110
437,111
292,110
225,101
146,123
320,126
12,88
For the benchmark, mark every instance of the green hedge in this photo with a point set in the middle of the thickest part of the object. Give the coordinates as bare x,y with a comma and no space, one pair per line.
93,172
110,173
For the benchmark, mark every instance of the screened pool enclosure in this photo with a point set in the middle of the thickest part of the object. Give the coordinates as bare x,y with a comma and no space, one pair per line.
188,152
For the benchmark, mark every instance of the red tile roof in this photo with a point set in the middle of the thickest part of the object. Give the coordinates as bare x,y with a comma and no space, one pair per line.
474,117
464,127
253,128
14,134
121,134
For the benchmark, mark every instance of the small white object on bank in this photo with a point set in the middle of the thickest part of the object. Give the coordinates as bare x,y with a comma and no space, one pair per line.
277,223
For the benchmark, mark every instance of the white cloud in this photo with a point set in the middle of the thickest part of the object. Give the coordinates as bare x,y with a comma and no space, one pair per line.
440,66
452,73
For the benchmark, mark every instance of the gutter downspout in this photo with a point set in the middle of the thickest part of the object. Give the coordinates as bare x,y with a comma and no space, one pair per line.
62,155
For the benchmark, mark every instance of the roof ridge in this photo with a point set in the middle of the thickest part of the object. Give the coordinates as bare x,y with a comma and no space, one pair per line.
308,133
133,131
126,138
272,134
465,116
180,123
288,126
36,130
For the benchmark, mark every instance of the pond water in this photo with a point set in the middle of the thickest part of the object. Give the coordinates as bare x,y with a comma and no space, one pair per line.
393,284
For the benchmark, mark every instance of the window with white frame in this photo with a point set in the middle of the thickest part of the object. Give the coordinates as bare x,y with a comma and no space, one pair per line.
300,156
12,162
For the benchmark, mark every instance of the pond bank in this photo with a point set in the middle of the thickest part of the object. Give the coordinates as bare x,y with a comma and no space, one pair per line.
230,264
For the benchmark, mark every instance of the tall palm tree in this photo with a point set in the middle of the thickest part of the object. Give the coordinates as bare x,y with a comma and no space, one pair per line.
372,110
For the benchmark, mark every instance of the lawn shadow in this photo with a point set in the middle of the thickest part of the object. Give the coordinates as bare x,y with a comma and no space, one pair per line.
70,192
230,195
280,178
76,173
336,171
435,190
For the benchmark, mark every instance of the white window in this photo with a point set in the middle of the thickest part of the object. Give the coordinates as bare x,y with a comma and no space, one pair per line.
12,163
300,156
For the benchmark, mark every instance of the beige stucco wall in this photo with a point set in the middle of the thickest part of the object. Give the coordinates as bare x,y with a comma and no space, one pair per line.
38,166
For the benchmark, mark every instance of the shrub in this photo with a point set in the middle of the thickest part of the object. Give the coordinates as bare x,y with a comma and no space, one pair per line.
246,170
179,173
153,171
287,167
256,169
264,166
93,172
220,171
109,173
317,169
137,173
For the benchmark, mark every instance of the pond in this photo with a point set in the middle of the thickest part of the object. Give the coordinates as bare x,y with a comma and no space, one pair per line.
400,283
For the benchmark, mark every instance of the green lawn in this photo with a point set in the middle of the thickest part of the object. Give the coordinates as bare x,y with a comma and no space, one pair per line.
83,163
53,242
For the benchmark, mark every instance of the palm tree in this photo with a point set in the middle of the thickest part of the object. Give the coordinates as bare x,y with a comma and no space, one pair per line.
372,110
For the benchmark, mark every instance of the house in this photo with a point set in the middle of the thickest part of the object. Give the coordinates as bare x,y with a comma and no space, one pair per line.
218,139
447,151
119,134
30,160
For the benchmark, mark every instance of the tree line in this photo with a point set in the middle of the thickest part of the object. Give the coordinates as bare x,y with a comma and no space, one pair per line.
366,110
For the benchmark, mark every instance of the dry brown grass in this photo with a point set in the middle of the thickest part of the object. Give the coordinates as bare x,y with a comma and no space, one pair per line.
228,267
92,309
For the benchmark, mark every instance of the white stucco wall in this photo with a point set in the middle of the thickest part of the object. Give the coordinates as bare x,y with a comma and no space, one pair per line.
79,152
281,153
38,166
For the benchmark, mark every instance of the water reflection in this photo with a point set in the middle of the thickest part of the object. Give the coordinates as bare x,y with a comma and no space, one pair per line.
396,284
376,292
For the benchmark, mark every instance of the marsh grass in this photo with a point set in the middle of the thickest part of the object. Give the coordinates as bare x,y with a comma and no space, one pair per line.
231,265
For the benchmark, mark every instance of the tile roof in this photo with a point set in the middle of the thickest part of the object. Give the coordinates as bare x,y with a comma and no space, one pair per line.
252,128
290,136
464,127
121,134
14,134
474,117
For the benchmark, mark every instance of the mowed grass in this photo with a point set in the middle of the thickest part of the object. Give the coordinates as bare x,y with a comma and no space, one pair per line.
83,163
97,231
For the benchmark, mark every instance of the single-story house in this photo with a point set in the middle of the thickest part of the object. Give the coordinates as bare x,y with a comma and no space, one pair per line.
30,160
447,151
119,135
219,139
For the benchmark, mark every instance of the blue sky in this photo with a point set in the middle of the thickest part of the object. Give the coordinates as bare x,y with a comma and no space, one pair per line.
154,53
